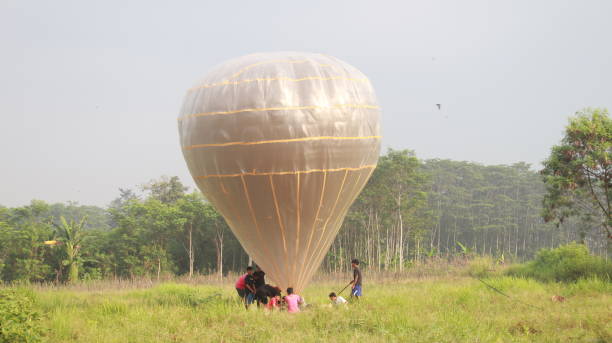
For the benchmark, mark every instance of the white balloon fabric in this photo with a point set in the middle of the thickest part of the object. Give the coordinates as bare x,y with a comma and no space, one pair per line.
281,144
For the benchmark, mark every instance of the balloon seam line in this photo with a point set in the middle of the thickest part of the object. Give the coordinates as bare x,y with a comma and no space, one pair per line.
314,224
225,192
233,210
280,223
333,208
305,78
246,193
286,172
288,140
328,218
322,251
297,235
337,106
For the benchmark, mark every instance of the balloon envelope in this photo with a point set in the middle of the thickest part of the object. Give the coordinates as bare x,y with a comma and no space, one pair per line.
281,144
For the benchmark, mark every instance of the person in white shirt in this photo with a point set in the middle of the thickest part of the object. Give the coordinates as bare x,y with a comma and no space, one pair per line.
336,299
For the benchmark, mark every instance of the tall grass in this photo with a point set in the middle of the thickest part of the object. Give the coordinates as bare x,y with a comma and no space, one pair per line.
432,301
425,308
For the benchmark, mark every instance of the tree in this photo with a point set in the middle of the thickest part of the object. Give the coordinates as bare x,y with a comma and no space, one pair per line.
192,209
578,172
220,227
167,190
71,235
22,253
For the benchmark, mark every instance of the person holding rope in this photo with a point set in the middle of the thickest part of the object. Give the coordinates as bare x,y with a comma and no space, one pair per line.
249,282
241,285
357,279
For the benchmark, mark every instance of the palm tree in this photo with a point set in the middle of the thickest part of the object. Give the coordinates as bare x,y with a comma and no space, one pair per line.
71,234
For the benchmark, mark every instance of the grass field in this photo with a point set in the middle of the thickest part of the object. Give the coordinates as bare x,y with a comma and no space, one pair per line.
432,309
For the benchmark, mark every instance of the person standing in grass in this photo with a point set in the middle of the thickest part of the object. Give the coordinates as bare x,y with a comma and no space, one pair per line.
356,289
249,283
293,301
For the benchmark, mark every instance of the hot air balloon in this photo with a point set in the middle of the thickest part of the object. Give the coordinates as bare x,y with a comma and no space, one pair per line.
281,144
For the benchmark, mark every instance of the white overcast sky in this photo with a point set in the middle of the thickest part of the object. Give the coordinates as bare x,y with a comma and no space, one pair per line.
90,90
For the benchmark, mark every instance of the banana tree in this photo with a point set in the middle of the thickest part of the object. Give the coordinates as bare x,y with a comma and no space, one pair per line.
71,234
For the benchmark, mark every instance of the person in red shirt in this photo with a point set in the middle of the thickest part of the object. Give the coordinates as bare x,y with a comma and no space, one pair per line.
241,284
274,303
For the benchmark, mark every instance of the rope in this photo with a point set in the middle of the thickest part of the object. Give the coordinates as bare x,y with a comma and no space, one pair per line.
507,296
343,289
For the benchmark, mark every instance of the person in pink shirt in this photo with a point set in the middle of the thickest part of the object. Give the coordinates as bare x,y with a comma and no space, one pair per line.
293,301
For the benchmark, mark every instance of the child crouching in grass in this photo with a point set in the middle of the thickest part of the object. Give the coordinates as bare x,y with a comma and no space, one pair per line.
336,299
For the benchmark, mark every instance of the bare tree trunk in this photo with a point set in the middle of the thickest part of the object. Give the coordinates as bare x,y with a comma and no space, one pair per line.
388,240
190,252
219,248
497,242
484,242
378,256
401,232
158,267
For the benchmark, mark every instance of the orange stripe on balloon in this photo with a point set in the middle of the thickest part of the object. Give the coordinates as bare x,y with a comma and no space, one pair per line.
287,108
286,172
290,140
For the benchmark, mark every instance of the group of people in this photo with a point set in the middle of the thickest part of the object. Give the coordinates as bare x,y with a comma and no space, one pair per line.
252,288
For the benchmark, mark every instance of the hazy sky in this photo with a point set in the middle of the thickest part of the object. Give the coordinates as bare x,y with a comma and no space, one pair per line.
90,90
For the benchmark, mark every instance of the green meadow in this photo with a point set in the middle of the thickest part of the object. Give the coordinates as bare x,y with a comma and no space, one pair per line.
394,309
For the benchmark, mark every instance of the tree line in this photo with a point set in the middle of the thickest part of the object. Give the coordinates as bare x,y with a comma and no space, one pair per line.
409,211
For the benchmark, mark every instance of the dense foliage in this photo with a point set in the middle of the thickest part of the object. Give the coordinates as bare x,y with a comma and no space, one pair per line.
452,208
409,210
570,262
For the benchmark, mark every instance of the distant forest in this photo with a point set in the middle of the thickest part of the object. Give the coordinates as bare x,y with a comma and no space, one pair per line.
410,210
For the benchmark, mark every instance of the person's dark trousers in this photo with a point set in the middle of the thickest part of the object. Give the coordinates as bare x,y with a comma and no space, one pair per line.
241,293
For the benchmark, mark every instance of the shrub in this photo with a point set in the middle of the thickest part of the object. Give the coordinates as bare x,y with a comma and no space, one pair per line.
480,267
566,263
18,319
